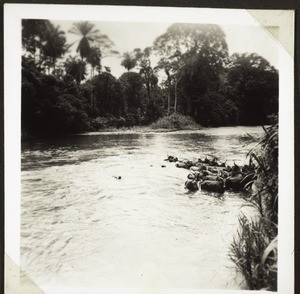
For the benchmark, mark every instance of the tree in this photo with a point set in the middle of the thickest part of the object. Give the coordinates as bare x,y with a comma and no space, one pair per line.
253,86
185,40
108,94
44,42
89,36
130,59
76,68
33,35
94,59
214,109
197,78
133,89
51,105
55,45
147,73
185,44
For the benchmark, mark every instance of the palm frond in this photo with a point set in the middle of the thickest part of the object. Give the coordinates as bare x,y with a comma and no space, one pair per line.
271,247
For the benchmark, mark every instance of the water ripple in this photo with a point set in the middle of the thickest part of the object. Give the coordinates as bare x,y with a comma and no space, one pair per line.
80,224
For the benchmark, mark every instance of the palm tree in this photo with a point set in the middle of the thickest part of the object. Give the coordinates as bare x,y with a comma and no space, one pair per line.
129,61
88,35
76,68
94,59
54,46
33,36
147,73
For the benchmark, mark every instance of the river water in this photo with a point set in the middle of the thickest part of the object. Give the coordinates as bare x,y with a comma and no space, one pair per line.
83,227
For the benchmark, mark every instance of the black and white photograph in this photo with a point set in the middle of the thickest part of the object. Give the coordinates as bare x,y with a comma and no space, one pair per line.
148,150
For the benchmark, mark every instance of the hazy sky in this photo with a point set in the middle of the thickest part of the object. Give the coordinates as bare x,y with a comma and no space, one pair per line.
130,35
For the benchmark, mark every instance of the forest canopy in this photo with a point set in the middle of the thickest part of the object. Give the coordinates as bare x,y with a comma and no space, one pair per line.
195,76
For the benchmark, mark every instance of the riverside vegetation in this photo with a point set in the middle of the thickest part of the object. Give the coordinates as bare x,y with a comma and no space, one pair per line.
195,77
195,83
254,250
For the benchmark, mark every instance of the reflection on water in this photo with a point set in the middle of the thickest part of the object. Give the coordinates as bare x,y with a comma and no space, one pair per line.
82,226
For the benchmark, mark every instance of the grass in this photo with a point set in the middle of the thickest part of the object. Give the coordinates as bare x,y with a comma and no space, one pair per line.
175,122
255,253
254,248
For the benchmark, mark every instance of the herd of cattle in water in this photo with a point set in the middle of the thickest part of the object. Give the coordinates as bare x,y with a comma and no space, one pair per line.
211,175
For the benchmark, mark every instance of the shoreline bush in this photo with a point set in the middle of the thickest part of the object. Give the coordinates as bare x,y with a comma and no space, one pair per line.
175,122
254,248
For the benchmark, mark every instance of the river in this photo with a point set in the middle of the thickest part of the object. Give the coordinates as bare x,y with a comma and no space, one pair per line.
83,227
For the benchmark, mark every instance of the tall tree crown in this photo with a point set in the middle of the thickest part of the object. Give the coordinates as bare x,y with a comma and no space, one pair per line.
91,36
182,41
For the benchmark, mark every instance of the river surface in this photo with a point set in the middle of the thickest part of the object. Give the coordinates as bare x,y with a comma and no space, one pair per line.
83,227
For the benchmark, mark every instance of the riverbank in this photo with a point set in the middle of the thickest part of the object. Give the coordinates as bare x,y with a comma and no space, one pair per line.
141,129
113,130
148,130
249,131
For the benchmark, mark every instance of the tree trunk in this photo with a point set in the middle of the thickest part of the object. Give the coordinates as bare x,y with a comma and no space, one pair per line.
93,100
175,98
54,62
148,92
169,96
175,102
188,105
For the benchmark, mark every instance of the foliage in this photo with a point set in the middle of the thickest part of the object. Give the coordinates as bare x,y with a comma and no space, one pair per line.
108,95
266,160
175,122
49,105
133,89
255,254
147,73
130,59
44,42
213,109
93,46
253,85
254,249
153,113
33,34
88,35
94,59
76,68
55,45
201,80
182,41
102,123
192,56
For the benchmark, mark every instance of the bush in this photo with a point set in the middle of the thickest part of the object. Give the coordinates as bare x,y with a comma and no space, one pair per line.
117,122
133,117
153,113
175,122
254,252
254,248
130,119
266,160
99,123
